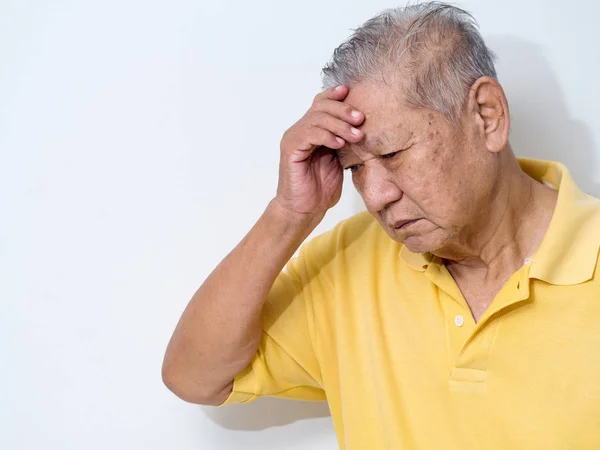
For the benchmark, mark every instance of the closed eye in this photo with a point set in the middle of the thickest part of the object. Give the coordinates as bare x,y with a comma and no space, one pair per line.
389,155
353,168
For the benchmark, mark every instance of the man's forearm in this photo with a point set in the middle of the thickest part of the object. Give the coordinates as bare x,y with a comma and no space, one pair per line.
220,329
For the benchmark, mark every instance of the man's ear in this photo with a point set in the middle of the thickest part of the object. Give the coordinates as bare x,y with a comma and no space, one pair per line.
489,104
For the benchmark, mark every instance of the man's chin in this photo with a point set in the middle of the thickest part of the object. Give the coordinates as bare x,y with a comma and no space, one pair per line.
421,238
417,244
426,242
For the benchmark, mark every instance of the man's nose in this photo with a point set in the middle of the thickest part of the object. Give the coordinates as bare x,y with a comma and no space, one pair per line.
379,189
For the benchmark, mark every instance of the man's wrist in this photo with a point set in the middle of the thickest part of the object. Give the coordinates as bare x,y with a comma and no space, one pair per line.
291,221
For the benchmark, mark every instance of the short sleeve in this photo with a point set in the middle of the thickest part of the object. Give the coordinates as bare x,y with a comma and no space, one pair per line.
285,364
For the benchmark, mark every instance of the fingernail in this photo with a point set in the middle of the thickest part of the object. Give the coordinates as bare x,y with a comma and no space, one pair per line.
339,139
355,114
355,131
339,88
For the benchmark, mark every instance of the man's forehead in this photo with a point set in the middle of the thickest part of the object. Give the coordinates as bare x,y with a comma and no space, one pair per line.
366,145
373,140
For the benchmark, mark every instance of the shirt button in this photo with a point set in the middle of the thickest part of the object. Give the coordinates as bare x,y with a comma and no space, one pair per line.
458,321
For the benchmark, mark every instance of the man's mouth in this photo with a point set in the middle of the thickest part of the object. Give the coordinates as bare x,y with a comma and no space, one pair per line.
402,224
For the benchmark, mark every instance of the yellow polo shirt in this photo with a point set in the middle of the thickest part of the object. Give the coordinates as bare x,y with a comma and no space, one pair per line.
386,338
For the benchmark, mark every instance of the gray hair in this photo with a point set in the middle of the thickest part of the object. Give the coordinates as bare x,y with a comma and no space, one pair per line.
438,43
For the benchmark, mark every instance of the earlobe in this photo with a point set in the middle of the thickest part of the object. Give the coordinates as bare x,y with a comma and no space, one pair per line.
492,108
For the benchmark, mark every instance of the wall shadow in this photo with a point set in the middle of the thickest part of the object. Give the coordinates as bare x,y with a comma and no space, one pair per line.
265,413
541,125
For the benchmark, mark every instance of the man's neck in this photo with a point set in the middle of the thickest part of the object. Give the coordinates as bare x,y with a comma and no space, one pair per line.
509,230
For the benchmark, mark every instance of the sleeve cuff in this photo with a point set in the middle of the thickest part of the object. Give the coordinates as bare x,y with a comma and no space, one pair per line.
243,388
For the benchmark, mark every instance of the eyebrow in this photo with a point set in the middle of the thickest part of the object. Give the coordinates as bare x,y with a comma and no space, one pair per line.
365,143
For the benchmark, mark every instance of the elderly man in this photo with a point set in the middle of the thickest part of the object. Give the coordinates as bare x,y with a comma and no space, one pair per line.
462,310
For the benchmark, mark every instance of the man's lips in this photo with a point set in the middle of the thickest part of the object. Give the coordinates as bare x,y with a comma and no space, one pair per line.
402,224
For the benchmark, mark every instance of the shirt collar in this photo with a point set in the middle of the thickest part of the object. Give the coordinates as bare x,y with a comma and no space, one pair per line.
568,253
416,261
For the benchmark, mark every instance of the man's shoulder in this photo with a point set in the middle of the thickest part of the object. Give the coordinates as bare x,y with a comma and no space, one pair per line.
357,237
354,230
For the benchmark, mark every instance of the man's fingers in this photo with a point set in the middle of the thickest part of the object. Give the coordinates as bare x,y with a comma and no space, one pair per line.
331,102
342,111
319,137
328,123
335,93
336,126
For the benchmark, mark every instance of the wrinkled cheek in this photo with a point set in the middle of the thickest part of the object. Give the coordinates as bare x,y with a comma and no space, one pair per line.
421,190
437,199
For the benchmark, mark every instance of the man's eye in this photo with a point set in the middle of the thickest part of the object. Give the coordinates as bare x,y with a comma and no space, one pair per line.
389,155
353,168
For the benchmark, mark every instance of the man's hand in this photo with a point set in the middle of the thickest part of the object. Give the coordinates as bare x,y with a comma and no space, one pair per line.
310,175
220,330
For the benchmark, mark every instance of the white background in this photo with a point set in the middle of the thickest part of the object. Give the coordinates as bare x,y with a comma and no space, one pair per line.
139,142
